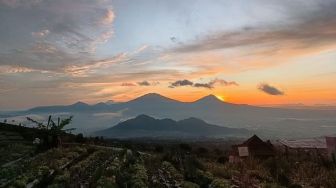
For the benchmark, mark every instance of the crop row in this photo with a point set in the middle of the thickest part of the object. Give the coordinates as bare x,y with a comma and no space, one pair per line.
38,167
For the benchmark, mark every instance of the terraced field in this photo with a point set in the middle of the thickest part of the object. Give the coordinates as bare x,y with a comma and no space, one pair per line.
73,166
96,162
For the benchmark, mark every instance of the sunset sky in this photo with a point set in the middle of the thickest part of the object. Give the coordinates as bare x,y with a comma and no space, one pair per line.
256,52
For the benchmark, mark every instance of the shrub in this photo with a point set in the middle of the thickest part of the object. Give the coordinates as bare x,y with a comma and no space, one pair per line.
223,159
203,178
219,183
63,179
106,182
188,184
185,147
271,185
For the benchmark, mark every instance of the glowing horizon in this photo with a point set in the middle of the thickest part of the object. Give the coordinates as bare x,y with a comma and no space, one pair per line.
256,52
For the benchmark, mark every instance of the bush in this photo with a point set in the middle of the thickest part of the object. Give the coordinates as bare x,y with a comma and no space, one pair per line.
202,151
63,179
271,185
185,147
158,148
203,178
295,186
188,184
219,183
21,183
106,182
223,159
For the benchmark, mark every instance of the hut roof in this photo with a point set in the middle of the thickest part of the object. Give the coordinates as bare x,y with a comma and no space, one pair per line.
256,147
313,143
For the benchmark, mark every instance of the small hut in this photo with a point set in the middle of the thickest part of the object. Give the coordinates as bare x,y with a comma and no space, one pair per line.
324,147
252,147
308,146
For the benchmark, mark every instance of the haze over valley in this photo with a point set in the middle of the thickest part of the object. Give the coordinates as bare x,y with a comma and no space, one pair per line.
267,121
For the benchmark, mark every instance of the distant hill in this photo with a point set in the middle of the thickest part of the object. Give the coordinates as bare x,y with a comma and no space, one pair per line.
146,126
78,106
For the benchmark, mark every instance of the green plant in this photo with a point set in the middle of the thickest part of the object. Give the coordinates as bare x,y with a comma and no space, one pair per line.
54,130
188,184
271,185
106,182
219,183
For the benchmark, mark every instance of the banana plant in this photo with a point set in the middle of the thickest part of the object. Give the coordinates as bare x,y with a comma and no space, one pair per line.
52,126
54,129
58,128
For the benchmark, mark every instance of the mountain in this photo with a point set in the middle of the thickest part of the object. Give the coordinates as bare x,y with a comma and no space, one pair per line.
153,97
210,100
78,106
270,121
146,126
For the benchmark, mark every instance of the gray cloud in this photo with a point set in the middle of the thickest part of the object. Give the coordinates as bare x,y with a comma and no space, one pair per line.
179,83
204,85
211,84
128,84
56,22
271,90
144,83
40,56
208,85
309,25
223,82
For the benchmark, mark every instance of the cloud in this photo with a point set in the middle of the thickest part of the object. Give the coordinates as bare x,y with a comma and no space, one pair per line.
45,57
179,83
108,17
173,39
41,34
144,83
204,85
271,90
84,69
40,57
208,85
56,22
18,3
211,84
223,82
128,84
310,28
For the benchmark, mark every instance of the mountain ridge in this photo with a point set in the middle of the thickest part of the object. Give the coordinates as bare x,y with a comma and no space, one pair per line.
147,126
145,99
277,122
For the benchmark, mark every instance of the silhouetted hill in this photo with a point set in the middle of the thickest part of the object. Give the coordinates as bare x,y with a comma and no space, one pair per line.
146,126
78,106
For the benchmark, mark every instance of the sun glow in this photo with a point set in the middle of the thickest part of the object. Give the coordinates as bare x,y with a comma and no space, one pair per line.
220,97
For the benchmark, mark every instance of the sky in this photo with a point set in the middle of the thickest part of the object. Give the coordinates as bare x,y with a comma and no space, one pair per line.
258,52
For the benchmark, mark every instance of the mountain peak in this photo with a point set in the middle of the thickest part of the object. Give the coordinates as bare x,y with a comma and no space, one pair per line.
144,117
152,97
193,120
79,103
110,102
100,104
209,98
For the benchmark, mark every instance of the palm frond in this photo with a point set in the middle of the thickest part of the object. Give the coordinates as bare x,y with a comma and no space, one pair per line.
39,124
65,122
